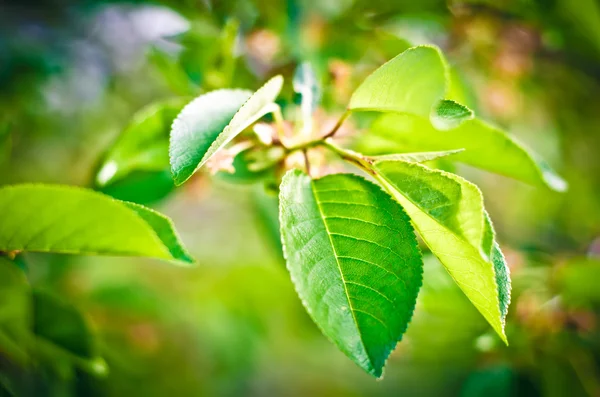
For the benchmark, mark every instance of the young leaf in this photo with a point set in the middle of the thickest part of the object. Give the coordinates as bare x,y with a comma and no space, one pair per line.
485,147
72,220
143,145
353,257
412,82
419,157
448,213
211,121
306,84
449,114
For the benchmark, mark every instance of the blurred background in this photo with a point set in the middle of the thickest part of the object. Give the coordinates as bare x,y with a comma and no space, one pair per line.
72,75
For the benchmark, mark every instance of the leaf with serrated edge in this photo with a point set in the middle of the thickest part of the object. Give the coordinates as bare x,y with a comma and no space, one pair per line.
412,82
354,260
486,147
143,145
211,121
448,213
418,157
71,220
165,230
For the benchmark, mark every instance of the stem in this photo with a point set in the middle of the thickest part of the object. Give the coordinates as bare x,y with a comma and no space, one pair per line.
362,162
279,122
306,161
337,125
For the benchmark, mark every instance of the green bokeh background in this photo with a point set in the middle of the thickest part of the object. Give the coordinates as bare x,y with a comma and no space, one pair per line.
72,73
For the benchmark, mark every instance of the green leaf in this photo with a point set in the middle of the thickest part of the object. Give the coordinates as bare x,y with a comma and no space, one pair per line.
211,121
60,323
353,257
448,213
141,187
306,84
62,332
485,147
449,114
15,302
61,219
143,145
412,82
418,157
164,229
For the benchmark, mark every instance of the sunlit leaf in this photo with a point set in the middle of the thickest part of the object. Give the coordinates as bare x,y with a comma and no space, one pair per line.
486,147
354,260
448,213
49,218
143,145
211,121
418,157
412,82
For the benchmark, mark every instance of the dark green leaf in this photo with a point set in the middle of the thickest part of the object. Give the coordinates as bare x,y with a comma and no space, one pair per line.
354,260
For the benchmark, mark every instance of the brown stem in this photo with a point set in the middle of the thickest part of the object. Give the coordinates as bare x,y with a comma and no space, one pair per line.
337,125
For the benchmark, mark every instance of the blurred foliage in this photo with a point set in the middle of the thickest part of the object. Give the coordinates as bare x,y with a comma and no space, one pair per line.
73,74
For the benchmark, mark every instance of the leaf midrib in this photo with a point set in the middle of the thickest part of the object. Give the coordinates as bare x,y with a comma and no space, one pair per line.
347,295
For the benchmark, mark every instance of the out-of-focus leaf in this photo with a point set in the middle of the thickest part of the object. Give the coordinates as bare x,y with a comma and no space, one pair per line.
254,165
143,145
578,282
141,187
14,311
60,323
490,382
485,147
211,121
61,330
5,142
61,219
353,257
412,82
449,215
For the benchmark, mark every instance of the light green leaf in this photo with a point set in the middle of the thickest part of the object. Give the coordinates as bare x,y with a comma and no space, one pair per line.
412,82
211,121
448,213
485,147
165,230
449,114
418,157
143,145
61,219
307,86
353,257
